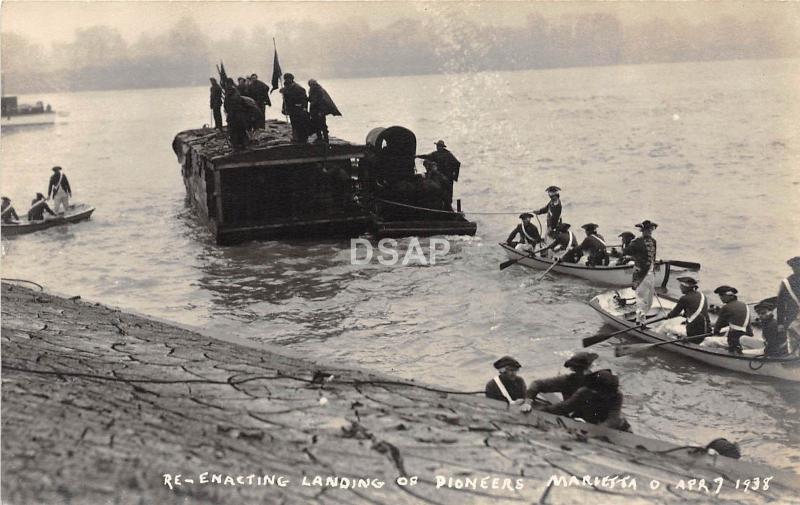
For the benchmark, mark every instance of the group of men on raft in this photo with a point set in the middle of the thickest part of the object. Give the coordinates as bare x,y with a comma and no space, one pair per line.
58,190
734,318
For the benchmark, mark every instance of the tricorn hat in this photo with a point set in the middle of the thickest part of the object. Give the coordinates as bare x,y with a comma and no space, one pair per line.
589,226
688,281
726,290
440,143
5,198
794,262
56,168
581,359
525,215
767,305
553,189
562,226
506,361
647,225
626,234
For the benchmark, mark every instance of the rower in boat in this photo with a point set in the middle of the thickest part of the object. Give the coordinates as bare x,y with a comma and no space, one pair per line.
626,237
593,245
38,208
552,209
733,320
507,386
788,305
694,307
528,233
564,240
643,252
775,344
580,365
598,401
9,215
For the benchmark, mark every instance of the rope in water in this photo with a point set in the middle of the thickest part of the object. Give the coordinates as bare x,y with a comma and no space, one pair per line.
509,213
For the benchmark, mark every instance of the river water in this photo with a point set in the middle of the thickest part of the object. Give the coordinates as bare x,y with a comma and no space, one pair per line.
710,151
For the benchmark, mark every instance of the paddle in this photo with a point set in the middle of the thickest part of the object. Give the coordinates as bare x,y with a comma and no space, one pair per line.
508,263
590,341
684,264
555,262
626,349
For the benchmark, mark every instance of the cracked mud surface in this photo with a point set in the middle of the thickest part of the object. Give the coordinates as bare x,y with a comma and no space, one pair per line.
99,404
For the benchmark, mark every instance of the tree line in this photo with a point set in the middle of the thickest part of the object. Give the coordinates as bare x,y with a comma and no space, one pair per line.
98,57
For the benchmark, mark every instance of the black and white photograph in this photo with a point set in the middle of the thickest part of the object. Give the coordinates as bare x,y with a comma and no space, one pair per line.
400,252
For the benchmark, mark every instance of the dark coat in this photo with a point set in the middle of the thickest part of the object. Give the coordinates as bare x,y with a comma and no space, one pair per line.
787,308
54,187
37,210
775,342
687,306
553,211
594,247
215,100
567,385
530,229
515,388
9,213
259,91
643,252
446,163
294,99
320,102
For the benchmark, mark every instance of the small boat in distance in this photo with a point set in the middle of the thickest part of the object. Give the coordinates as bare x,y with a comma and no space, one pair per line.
76,213
14,114
615,309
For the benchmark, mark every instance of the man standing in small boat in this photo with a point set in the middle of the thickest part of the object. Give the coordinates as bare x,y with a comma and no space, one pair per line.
59,190
775,344
507,386
38,208
643,252
552,209
9,214
788,305
447,164
733,320
528,234
580,365
694,307
593,245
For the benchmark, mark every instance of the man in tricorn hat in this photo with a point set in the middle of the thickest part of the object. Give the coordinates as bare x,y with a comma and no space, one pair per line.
598,401
580,365
643,252
694,307
446,164
775,344
528,234
788,305
733,320
552,209
507,386
626,237
59,190
593,245
563,241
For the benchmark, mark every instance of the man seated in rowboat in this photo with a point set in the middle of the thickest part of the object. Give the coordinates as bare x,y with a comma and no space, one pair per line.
788,305
9,214
528,234
626,237
593,245
564,240
694,307
507,386
775,344
580,365
598,401
733,321
38,208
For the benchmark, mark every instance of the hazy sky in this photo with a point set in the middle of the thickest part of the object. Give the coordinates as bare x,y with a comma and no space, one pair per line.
44,21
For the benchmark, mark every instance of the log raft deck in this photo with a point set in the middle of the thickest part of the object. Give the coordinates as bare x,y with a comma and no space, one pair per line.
275,188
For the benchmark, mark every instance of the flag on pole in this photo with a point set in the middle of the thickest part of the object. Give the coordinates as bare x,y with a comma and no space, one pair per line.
277,73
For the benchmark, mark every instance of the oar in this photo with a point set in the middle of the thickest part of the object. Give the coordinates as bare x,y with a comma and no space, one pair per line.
626,349
555,262
590,341
508,263
684,264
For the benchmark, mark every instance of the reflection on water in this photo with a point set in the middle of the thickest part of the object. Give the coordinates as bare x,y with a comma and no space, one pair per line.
708,150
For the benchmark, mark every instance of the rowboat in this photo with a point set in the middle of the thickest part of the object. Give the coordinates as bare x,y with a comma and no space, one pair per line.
612,275
76,213
617,309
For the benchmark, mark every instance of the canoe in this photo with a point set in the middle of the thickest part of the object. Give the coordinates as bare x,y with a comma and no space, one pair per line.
612,275
610,307
76,213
